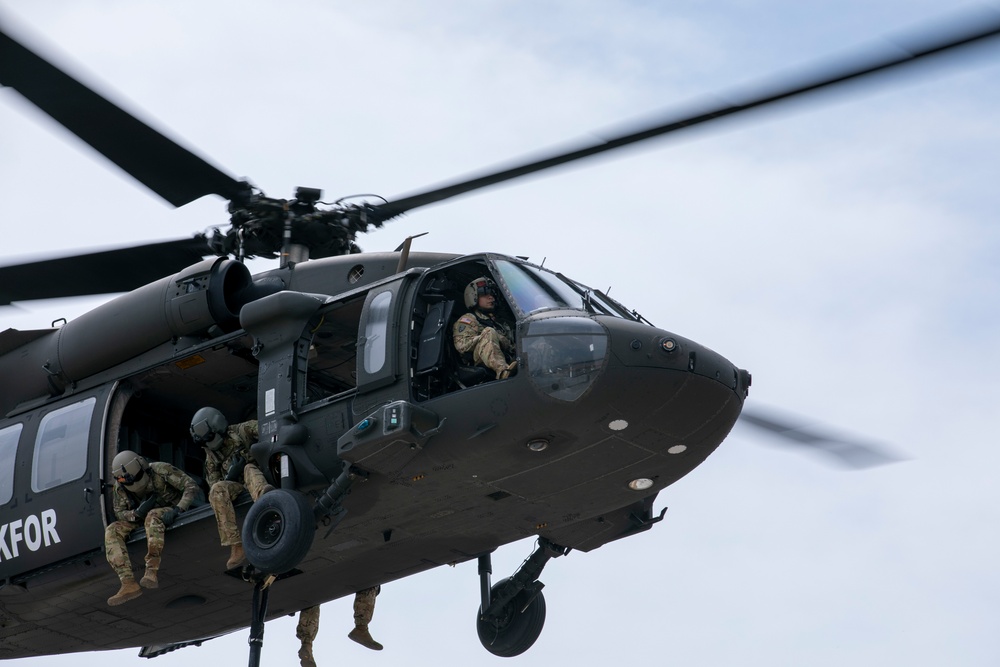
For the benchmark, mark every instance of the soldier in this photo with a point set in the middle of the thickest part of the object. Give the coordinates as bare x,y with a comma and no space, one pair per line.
149,493
480,336
228,470
308,626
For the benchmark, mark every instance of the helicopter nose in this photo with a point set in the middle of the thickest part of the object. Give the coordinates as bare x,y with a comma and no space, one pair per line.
640,346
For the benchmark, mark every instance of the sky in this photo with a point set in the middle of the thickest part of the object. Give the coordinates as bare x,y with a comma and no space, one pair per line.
842,250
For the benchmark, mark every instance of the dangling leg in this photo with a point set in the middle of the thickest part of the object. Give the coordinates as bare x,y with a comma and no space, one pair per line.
117,553
221,497
364,609
255,481
306,631
154,546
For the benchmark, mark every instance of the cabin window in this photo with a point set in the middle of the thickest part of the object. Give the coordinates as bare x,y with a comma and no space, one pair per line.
377,333
61,446
8,450
333,351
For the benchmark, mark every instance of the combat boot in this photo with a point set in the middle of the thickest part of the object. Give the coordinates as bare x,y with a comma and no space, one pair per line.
507,372
236,556
360,635
129,591
306,655
149,578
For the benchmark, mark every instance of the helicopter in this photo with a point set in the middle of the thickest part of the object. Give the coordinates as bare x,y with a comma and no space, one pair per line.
357,494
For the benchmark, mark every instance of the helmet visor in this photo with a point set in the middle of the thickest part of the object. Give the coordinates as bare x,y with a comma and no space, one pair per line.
123,476
485,287
202,432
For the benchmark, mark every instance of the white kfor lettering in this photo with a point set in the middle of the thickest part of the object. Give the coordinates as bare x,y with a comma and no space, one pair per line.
49,527
4,551
33,533
15,536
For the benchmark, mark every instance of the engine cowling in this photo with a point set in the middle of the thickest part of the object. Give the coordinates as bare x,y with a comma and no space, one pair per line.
209,293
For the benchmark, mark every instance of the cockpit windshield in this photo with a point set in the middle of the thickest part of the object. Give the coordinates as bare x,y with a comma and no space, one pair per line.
535,289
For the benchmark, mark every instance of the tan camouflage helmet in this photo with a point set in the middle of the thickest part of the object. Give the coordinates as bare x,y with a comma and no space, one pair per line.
130,470
478,288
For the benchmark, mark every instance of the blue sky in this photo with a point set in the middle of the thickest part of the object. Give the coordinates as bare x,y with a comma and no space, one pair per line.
845,253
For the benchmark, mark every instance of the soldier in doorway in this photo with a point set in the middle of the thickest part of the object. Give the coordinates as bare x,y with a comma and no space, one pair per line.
229,470
147,494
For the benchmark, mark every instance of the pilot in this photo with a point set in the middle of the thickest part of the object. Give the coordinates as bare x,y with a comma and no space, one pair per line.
480,336
229,470
308,626
151,494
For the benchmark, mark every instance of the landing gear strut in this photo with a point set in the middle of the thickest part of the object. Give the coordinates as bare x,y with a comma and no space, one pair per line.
258,615
512,612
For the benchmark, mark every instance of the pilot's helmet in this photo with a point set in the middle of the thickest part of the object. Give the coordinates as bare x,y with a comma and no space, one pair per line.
208,427
130,470
478,288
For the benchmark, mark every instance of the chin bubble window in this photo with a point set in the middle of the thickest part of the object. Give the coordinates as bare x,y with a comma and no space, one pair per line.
564,355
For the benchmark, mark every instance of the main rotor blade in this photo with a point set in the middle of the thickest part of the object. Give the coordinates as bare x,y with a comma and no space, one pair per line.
117,270
159,163
910,50
848,453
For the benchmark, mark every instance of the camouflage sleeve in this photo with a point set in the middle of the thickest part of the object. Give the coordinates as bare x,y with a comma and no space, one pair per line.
465,333
247,433
213,472
178,479
121,505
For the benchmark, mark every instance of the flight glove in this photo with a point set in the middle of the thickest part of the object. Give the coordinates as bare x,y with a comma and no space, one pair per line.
143,509
235,473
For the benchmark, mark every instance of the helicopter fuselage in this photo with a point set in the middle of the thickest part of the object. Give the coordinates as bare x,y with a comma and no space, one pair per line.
348,364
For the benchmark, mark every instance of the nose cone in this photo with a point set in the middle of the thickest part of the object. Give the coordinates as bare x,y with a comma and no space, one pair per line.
669,396
640,346
616,411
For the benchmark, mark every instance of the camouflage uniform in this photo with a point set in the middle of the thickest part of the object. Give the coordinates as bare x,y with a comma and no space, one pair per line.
306,631
172,488
222,493
308,626
364,609
485,340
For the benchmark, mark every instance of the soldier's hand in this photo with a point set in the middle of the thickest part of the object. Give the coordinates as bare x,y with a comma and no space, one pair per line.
236,470
169,516
143,509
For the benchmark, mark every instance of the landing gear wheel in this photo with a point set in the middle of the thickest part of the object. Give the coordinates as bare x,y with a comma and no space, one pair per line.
278,531
516,630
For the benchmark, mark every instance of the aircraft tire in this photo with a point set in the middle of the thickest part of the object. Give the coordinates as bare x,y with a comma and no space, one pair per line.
517,630
278,531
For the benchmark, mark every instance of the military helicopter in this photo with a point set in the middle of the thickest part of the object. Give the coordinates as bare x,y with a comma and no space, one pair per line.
301,323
